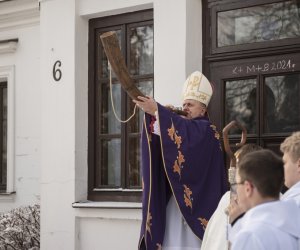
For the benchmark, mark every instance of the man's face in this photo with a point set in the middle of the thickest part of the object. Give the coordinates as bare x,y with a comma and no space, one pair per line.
241,192
193,108
291,170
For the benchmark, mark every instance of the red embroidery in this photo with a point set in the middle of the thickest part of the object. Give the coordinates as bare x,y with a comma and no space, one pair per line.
151,126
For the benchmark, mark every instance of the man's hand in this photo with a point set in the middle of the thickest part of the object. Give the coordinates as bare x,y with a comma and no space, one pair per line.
234,210
147,104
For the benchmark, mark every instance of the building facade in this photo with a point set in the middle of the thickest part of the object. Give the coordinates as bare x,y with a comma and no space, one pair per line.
62,146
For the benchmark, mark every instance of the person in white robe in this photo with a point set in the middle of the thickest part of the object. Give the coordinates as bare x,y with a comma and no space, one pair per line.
268,223
269,226
291,158
216,232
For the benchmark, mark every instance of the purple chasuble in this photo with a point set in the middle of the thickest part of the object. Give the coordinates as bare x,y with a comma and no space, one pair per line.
186,161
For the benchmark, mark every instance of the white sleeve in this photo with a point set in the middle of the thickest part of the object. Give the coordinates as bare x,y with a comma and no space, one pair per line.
155,126
215,235
246,241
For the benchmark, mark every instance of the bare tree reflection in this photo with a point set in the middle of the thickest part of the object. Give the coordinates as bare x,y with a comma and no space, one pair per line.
238,105
141,50
280,110
287,111
260,23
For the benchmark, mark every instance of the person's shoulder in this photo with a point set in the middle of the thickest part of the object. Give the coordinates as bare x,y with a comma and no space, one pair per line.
225,198
204,122
247,239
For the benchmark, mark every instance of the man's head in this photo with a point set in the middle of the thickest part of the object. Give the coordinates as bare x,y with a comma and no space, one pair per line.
291,158
197,92
259,178
239,154
245,149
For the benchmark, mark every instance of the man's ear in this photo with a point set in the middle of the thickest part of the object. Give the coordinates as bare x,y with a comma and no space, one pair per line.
248,186
298,165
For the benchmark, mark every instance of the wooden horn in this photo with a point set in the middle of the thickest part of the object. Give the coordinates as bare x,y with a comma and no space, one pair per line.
114,55
112,50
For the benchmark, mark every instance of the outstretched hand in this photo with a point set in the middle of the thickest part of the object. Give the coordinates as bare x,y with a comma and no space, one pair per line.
147,104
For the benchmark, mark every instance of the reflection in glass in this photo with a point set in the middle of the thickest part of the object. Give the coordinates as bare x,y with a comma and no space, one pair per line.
134,174
146,87
111,163
240,104
104,62
109,123
282,111
259,23
141,50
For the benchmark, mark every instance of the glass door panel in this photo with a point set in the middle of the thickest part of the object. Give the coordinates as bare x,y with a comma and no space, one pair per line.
281,100
241,103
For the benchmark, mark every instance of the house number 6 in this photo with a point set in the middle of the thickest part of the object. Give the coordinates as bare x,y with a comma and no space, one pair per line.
56,71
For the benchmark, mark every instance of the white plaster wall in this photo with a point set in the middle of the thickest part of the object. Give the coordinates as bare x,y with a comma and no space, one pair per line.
58,125
81,107
112,234
96,8
108,229
51,117
178,46
193,44
26,60
64,36
169,52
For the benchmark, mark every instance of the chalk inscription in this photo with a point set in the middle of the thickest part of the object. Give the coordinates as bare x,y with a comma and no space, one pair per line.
264,67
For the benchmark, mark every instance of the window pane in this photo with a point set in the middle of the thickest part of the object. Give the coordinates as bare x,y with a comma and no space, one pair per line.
146,87
141,50
111,163
240,104
109,123
104,62
134,174
258,24
282,103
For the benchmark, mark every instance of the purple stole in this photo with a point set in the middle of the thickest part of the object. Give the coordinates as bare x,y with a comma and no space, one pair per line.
186,161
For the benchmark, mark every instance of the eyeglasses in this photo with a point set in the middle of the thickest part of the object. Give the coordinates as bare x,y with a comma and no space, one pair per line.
233,186
237,183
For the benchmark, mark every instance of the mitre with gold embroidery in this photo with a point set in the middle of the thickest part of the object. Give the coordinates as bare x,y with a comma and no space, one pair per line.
197,87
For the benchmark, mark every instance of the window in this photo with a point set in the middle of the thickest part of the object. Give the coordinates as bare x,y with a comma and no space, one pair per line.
114,157
3,136
7,168
252,56
254,24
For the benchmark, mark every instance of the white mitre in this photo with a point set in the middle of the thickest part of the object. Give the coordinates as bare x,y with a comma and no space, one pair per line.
197,87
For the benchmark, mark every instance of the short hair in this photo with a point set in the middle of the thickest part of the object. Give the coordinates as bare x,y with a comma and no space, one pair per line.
265,170
291,145
245,149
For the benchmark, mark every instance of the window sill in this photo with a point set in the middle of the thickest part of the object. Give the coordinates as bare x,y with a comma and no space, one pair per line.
7,196
115,205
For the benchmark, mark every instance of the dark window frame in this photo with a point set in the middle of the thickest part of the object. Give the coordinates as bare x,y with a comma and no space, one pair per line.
95,27
244,47
215,61
3,187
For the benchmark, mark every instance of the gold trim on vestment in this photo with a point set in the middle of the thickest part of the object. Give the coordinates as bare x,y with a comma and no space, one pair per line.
162,154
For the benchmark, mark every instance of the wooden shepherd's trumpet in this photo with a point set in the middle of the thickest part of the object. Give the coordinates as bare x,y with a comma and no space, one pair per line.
112,50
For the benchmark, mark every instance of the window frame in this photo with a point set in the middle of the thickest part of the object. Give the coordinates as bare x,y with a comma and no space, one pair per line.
122,21
3,85
232,5
215,61
7,74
